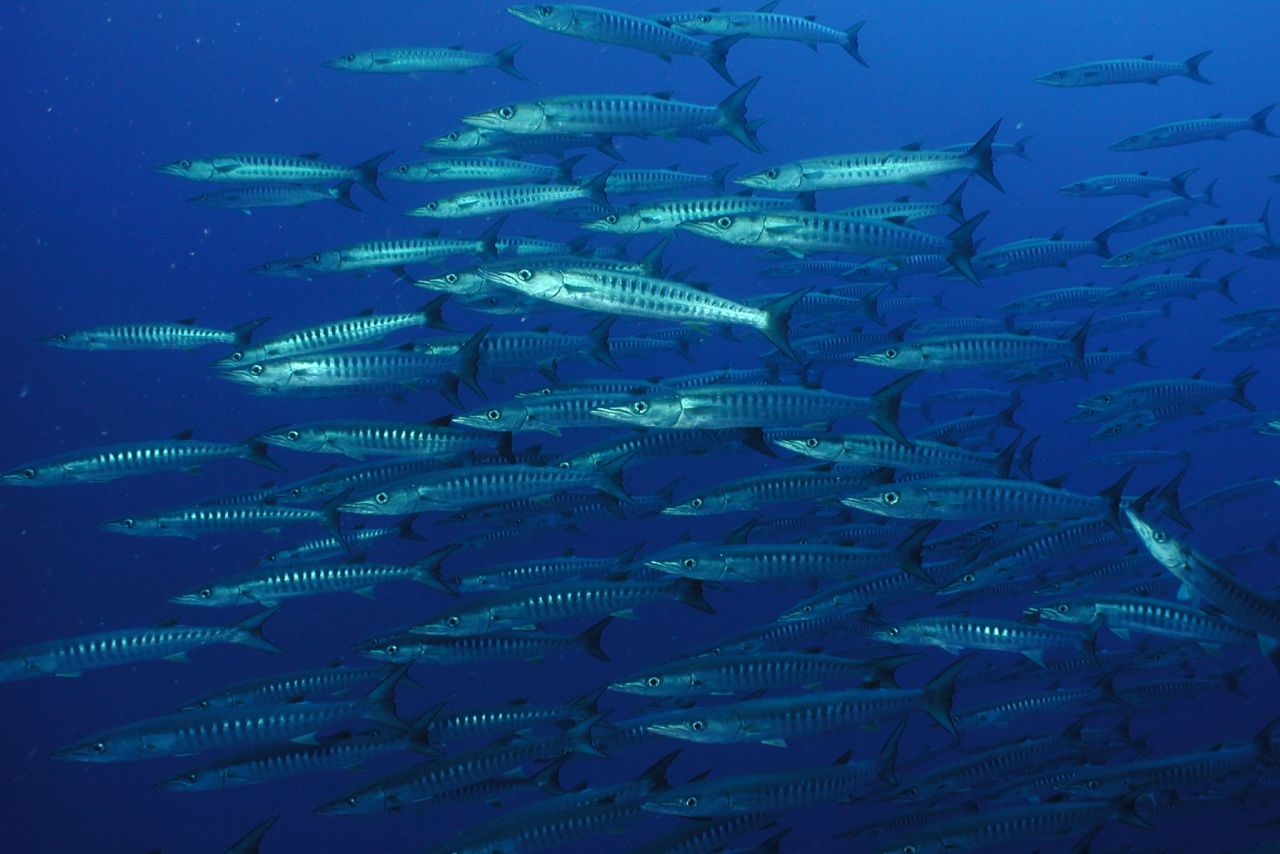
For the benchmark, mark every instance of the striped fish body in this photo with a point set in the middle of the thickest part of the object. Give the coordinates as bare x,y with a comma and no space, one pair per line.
733,674
1123,184
358,439
393,252
477,485
274,196
475,169
469,649
1034,702
1110,72
549,414
1032,254
1058,299
767,490
1157,212
655,444
491,142
100,465
353,331
952,352
631,181
979,498
778,790
1157,617
1191,242
326,548
262,167
1194,130
873,450
959,633
849,597
633,115
759,25
191,522
729,406
283,687
489,201
273,586
608,26
337,370
667,215
819,232
771,562
897,267
863,169
145,336
415,60
528,573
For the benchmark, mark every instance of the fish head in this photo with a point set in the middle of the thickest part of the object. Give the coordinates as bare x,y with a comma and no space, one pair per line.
557,19
407,172
1120,260
900,355
819,447
210,595
389,501
1170,553
971,579
526,117
691,561
1131,424
350,62
393,649
456,623
33,474
507,417
257,374
817,607
740,230
358,802
654,683
701,505
1076,188
1066,612
439,209
465,282
902,633
283,268
644,411
706,23
691,802
231,360
82,339
1133,142
921,846
780,179
695,725
105,747
1108,400
1061,77
137,526
542,284
195,780
617,222
289,436
192,170
890,501
457,140
329,261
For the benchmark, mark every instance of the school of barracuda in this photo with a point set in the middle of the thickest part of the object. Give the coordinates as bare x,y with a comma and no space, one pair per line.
901,508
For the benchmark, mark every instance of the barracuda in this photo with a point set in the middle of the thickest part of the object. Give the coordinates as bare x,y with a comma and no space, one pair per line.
414,60
669,180
637,115
331,547
491,646
494,143
530,573
903,211
1181,392
801,233
358,439
505,353
1127,184
72,656
276,196
1166,286
975,350
1010,559
962,430
364,328
519,714
1125,614
664,444
955,634
483,169
1194,130
303,169
787,487
1085,296
194,732
772,721
392,254
500,200
646,296
182,335
191,522
667,215
280,688
608,26
721,407
1109,72
908,165
1034,254
871,450
273,586
100,465
477,280
734,674
1221,235
863,594
1157,212
764,23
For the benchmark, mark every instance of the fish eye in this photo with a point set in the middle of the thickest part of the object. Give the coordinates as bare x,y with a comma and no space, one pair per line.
191,778
689,563
185,164
697,502
236,356
205,592
296,491
640,407
968,578
1106,398
690,801
256,370
452,622
1160,536
612,219
451,278
525,275
545,11
98,747
811,442
28,473
564,464
1062,609
432,206
493,415
352,802
1091,785
128,523
392,649
724,221
891,353
807,609
315,259
452,136
696,726
890,498
403,168
293,435
62,336
908,849
893,632
382,498
704,19
771,174
653,681
506,112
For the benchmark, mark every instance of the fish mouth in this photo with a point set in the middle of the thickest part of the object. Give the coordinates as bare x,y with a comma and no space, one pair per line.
671,731
679,510
664,807
757,182
525,13
866,505
613,413
478,422
334,63
363,508
168,169
704,227
597,225
671,567
481,120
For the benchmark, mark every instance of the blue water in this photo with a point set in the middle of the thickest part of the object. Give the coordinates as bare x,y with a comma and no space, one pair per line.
100,92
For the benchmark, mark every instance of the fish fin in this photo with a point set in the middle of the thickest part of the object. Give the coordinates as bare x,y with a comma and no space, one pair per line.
248,631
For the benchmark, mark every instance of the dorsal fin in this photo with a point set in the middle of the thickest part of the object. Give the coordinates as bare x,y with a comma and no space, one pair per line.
186,321
310,155
664,95
365,312
183,435
1057,235
913,146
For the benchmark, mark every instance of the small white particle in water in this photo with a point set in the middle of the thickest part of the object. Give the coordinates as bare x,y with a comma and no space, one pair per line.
24,391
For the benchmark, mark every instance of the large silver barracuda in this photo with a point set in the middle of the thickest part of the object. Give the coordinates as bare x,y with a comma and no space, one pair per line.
909,165
498,200
192,522
100,465
614,115
520,645
955,634
445,169
954,352
783,487
275,196
1125,614
1221,235
1157,212
358,439
550,414
764,23
667,215
1110,72
359,259
181,335
1195,130
919,455
1127,184
612,27
415,60
490,142
171,642
284,168
734,674
282,687
1034,253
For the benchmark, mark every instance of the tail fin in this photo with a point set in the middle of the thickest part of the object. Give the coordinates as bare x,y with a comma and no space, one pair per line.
778,322
469,360
1020,147
718,52
548,779
1258,121
628,555
565,167
1191,68
404,528
596,186
367,173
380,703
689,591
598,343
248,632
886,668
1265,219
1142,355
909,551
733,117
889,754
1100,247
1238,384
341,193
938,693
871,304
962,247
488,239
1178,183
609,480
1004,459
718,176
1169,503
1206,196
427,570
506,60
1224,285
984,168
589,639
256,453
1114,494
953,202
1075,358
887,403
244,332
251,842
432,315
851,43
604,145
1024,457
651,260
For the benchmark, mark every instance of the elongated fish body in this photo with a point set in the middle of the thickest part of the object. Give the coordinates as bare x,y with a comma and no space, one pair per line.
1036,253
327,486
706,835
1190,391
275,196
670,180
809,268
609,26
770,562
506,353
959,633
479,280
272,586
477,169
950,352
491,646
100,465
998,149
765,25
359,439
1123,614
1208,238
849,597
908,165
490,142
415,60
667,215
761,491
546,823
1012,826
1127,184
327,548
998,761
607,115
979,498
1158,211
348,368
72,656
183,335
665,444
733,674
873,450
191,522
489,201
896,268
720,407
1194,130
905,212
351,332
549,414
1018,556
1032,703
1248,339
1166,286
282,687
283,168
1110,72
531,572
774,790
359,258
1057,299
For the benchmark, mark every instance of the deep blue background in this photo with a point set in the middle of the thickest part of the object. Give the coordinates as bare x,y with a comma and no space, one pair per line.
99,92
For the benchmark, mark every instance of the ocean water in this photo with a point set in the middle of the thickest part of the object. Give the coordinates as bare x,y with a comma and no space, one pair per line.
101,92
